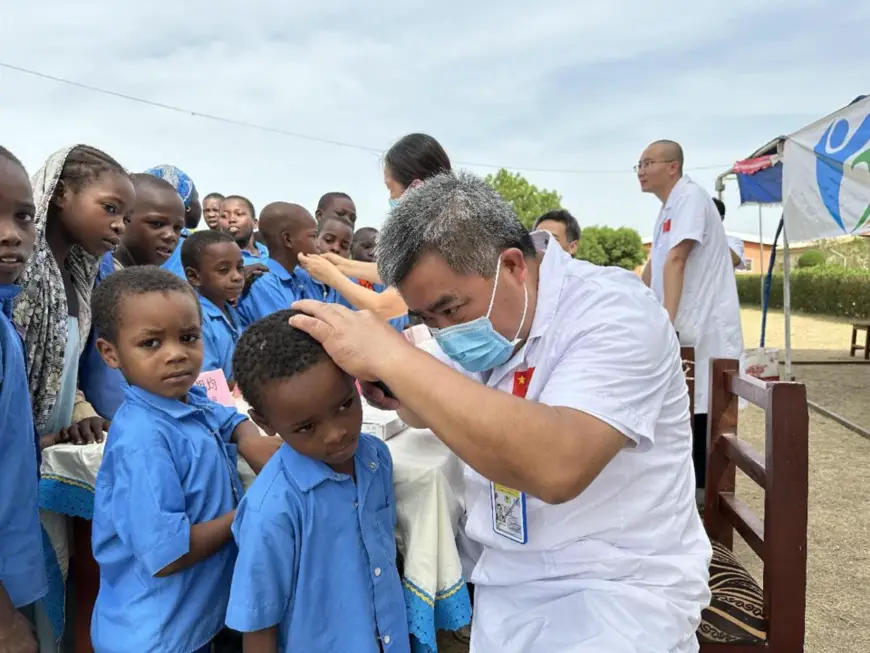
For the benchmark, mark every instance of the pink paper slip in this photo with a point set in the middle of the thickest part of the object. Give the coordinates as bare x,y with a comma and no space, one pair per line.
216,387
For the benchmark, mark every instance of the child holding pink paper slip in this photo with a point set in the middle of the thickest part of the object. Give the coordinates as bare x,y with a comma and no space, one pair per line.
213,264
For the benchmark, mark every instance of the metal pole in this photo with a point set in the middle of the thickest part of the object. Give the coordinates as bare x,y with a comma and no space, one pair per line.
761,250
786,301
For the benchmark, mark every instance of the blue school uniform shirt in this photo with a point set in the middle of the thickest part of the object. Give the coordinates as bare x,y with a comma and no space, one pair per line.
219,337
22,568
173,263
398,323
167,465
102,386
273,291
260,257
317,555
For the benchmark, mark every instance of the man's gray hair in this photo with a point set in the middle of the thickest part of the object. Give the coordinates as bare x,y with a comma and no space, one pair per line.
460,218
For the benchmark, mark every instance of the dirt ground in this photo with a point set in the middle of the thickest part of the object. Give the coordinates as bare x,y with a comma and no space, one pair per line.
838,574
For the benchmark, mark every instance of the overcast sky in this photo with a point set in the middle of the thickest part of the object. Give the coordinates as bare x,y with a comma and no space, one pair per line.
564,84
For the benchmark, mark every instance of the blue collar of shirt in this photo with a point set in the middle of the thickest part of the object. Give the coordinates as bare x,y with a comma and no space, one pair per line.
308,473
196,399
210,309
8,293
185,232
281,272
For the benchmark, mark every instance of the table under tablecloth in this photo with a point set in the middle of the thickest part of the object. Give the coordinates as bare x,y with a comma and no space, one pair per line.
428,483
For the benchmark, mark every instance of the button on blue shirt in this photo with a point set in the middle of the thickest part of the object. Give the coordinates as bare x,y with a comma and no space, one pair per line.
317,555
22,569
260,257
219,337
102,386
166,466
173,263
273,291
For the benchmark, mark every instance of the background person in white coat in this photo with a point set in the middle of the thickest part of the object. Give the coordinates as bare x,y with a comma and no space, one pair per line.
690,270
565,396
735,244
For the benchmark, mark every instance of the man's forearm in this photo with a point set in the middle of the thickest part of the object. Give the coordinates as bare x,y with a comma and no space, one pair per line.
672,276
519,443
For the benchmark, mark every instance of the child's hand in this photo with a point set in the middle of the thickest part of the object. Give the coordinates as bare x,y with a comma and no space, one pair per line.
252,273
86,431
18,637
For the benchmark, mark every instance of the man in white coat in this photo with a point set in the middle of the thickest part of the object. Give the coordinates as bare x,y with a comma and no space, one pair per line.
564,394
690,270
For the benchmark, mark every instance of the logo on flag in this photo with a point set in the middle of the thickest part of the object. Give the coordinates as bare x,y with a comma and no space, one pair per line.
666,226
843,155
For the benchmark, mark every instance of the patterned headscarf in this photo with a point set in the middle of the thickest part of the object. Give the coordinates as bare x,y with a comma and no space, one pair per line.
179,179
40,311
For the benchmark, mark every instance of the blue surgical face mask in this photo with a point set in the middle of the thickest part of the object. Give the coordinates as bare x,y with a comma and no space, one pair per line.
476,345
393,202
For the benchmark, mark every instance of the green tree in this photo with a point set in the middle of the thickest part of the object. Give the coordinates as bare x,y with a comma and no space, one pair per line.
621,247
528,201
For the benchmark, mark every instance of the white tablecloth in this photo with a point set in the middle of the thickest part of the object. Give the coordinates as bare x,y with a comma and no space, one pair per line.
429,501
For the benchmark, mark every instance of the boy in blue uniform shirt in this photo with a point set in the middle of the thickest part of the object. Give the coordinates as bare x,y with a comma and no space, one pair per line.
213,264
167,488
316,569
152,235
289,230
334,236
22,569
239,220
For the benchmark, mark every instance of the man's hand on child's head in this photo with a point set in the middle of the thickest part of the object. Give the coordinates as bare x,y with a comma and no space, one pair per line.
359,342
86,431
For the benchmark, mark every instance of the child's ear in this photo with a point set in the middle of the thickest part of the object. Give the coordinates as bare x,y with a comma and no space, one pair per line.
318,215
192,277
287,239
60,194
108,352
260,421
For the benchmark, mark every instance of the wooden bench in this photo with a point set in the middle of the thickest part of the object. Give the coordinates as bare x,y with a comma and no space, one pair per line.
743,617
858,326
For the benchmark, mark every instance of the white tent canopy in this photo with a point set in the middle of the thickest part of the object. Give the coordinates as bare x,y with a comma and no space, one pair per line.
826,176
825,185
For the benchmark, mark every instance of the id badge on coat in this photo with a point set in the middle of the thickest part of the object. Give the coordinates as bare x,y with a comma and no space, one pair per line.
509,512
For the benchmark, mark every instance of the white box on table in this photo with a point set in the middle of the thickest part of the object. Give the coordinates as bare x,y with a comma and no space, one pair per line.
383,424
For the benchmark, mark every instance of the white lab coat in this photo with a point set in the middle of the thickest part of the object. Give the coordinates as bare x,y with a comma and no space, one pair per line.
708,317
624,566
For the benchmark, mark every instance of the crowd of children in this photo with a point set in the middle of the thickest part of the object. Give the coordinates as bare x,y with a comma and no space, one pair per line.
112,306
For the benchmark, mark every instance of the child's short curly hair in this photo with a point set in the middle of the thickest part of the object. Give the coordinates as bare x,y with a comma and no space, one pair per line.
270,350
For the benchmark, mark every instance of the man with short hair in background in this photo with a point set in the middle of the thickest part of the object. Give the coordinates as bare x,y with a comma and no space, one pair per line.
735,244
564,228
691,273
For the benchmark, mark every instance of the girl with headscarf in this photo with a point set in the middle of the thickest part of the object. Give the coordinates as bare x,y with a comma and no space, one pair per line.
81,196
